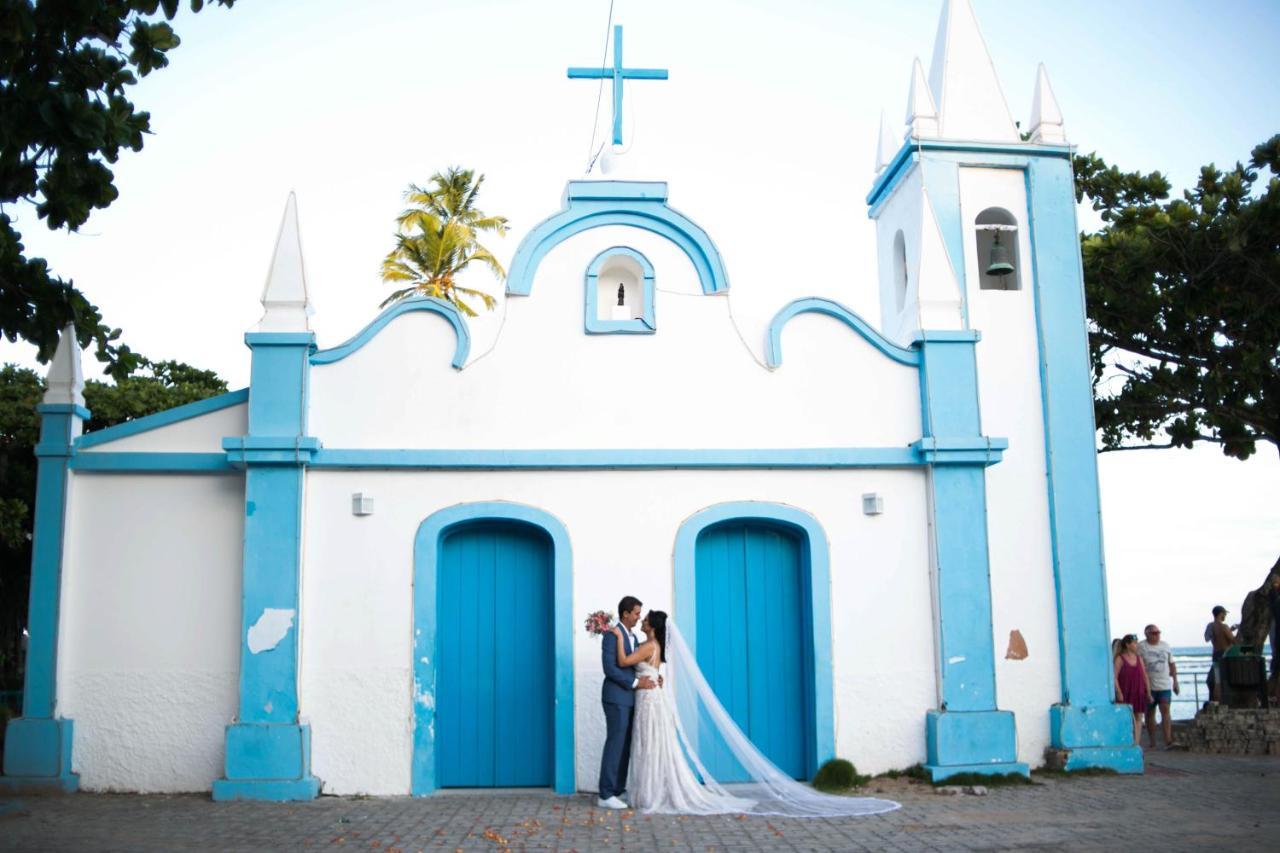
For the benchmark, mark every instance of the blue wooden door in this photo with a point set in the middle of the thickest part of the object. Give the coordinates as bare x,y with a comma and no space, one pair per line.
494,668
752,607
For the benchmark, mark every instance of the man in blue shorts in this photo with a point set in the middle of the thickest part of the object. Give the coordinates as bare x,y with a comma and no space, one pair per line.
1162,673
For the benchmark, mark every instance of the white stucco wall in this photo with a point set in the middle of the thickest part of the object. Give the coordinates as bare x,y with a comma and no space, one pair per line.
546,384
358,599
201,434
149,638
1022,592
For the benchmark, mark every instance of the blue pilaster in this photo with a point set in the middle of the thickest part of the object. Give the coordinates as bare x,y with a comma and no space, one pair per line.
268,751
967,734
37,745
1086,723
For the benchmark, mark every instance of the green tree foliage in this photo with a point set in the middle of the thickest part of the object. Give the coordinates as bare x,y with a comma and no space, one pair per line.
154,387
66,68
1184,305
1184,310
439,238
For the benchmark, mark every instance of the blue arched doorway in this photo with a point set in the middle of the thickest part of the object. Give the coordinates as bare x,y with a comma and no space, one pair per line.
493,651
752,597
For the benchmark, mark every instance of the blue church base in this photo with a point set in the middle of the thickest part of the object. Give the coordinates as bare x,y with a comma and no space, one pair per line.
268,761
1095,737
37,756
983,742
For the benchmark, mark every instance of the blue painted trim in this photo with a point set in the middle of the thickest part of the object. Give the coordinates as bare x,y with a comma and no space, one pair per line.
280,339
162,419
38,745
268,749
997,152
37,756
1085,722
596,204
185,463
270,450
816,556
805,457
981,451
426,553
946,336
267,761
971,738
266,790
63,409
830,308
445,309
645,324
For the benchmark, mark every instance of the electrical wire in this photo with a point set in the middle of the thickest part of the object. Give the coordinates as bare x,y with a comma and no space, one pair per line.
592,152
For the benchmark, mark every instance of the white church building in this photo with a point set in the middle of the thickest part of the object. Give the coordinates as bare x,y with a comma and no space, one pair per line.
368,571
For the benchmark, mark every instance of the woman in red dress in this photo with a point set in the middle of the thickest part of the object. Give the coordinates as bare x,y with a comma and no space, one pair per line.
1132,686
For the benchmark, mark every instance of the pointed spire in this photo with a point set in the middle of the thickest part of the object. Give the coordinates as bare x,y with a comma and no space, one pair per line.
922,114
971,104
1046,116
887,146
285,295
65,384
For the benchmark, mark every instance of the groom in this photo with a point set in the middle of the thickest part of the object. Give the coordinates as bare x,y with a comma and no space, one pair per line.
618,698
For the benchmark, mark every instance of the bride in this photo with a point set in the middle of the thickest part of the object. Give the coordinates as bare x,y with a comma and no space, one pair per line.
661,778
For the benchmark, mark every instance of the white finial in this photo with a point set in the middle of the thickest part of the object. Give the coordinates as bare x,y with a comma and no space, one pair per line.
887,146
971,104
922,114
65,384
1046,116
285,295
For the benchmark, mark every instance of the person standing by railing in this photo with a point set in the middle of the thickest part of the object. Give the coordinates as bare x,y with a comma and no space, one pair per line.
1132,686
1162,673
1223,638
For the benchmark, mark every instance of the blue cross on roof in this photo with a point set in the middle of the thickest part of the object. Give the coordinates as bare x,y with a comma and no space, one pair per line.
618,74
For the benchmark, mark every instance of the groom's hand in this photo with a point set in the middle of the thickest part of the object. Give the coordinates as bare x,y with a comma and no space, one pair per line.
659,680
645,683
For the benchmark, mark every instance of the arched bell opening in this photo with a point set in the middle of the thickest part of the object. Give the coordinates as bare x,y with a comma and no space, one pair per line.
999,268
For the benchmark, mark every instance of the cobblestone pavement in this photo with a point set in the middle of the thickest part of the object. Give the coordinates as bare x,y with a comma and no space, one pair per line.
1184,802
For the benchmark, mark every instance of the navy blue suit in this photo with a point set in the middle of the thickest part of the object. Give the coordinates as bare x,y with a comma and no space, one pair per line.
618,698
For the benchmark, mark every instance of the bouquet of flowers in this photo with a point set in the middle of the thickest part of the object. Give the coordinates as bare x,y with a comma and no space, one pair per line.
599,622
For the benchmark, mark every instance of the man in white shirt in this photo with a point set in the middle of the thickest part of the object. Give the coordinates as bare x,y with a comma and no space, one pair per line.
1162,673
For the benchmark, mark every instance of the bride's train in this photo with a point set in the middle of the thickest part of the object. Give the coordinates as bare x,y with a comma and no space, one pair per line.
673,724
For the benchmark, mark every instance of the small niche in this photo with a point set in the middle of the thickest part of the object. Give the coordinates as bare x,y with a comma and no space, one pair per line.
997,243
619,294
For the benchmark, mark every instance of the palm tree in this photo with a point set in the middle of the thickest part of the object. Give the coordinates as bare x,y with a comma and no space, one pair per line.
437,240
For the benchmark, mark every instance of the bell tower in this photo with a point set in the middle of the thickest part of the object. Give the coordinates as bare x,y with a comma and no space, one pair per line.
977,236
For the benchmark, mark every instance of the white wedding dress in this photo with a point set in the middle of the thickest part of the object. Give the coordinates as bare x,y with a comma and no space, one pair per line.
660,780
663,758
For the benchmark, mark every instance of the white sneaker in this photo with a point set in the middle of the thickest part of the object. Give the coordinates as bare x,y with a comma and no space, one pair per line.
611,803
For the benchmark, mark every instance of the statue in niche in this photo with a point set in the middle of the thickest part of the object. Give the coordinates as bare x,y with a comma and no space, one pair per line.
621,294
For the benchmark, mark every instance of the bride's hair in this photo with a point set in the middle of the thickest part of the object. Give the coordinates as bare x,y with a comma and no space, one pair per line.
658,625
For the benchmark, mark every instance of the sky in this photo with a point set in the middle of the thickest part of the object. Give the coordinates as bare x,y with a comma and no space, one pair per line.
766,133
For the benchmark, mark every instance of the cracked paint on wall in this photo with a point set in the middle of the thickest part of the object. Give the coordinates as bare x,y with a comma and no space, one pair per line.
269,630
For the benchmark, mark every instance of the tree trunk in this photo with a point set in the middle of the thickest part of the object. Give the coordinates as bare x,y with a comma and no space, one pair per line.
1255,621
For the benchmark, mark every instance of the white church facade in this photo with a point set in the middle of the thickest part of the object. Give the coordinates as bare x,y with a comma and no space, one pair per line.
368,570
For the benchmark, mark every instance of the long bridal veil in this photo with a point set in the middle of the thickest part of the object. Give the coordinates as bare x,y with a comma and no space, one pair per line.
716,747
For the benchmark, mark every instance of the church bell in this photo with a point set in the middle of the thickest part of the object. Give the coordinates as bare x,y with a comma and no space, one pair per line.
1000,263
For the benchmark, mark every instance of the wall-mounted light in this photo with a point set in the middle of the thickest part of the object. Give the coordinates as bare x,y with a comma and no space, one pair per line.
361,504
872,503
